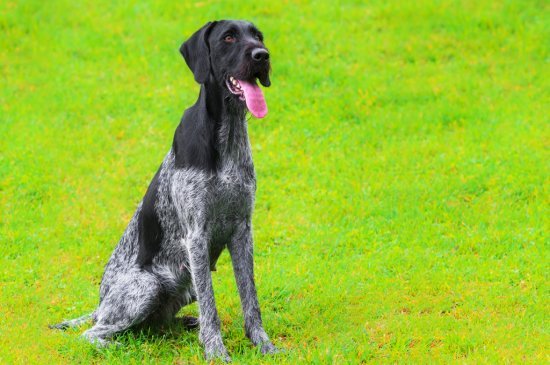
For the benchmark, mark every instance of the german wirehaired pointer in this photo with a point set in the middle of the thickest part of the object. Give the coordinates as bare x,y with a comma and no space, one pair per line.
200,201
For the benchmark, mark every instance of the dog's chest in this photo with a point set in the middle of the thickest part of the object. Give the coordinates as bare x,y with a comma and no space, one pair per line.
233,192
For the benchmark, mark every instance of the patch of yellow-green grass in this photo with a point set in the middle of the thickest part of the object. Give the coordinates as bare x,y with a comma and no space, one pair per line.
402,202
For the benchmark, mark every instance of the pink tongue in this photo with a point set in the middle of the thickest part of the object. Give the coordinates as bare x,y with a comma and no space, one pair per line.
254,99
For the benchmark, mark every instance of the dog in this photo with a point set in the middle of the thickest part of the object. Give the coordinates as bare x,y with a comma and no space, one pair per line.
199,202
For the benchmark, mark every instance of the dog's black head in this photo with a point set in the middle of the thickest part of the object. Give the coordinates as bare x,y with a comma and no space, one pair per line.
231,54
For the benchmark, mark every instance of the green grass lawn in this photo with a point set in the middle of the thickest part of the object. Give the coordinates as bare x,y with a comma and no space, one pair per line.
403,176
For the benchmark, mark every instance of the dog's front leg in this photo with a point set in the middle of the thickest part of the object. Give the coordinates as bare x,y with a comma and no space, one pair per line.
209,322
241,250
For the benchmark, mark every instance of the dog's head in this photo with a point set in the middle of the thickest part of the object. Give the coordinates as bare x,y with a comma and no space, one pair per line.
232,54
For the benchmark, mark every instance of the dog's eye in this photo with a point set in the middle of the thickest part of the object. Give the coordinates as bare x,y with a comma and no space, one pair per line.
258,37
229,38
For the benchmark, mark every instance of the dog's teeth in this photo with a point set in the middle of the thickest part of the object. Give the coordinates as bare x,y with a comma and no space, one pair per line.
234,82
231,79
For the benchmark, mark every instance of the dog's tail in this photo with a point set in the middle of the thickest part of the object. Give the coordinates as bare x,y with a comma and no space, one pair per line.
72,322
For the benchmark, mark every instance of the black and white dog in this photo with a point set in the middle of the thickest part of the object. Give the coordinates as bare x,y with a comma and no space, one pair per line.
200,201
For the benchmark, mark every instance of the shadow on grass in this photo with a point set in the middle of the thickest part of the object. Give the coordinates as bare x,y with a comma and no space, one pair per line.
169,343
142,343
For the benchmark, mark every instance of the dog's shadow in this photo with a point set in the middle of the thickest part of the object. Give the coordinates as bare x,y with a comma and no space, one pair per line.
174,330
143,340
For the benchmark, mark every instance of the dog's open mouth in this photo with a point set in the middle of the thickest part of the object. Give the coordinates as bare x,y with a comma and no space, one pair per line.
250,93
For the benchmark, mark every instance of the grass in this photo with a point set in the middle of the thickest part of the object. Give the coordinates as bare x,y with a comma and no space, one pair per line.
402,205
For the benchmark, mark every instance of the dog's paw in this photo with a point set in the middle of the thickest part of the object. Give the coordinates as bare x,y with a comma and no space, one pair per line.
269,348
260,339
59,326
215,349
217,354
101,343
188,322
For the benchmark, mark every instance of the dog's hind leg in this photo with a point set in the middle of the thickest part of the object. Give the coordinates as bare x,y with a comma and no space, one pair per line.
130,300
72,322
187,322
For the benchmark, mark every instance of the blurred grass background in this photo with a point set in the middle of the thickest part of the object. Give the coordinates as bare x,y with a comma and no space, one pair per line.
402,205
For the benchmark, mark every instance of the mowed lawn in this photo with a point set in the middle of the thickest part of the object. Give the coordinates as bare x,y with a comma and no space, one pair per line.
403,176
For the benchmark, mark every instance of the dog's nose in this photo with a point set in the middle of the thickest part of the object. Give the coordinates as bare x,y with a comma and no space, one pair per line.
260,54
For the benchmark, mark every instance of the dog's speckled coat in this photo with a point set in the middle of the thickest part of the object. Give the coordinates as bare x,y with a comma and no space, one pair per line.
199,202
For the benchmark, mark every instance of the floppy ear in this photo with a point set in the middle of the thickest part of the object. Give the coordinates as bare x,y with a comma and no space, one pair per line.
196,53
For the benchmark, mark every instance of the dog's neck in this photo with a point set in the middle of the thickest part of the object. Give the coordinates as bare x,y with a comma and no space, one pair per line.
229,115
211,98
218,103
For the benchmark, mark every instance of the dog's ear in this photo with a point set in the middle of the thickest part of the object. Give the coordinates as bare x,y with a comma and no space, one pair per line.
196,52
